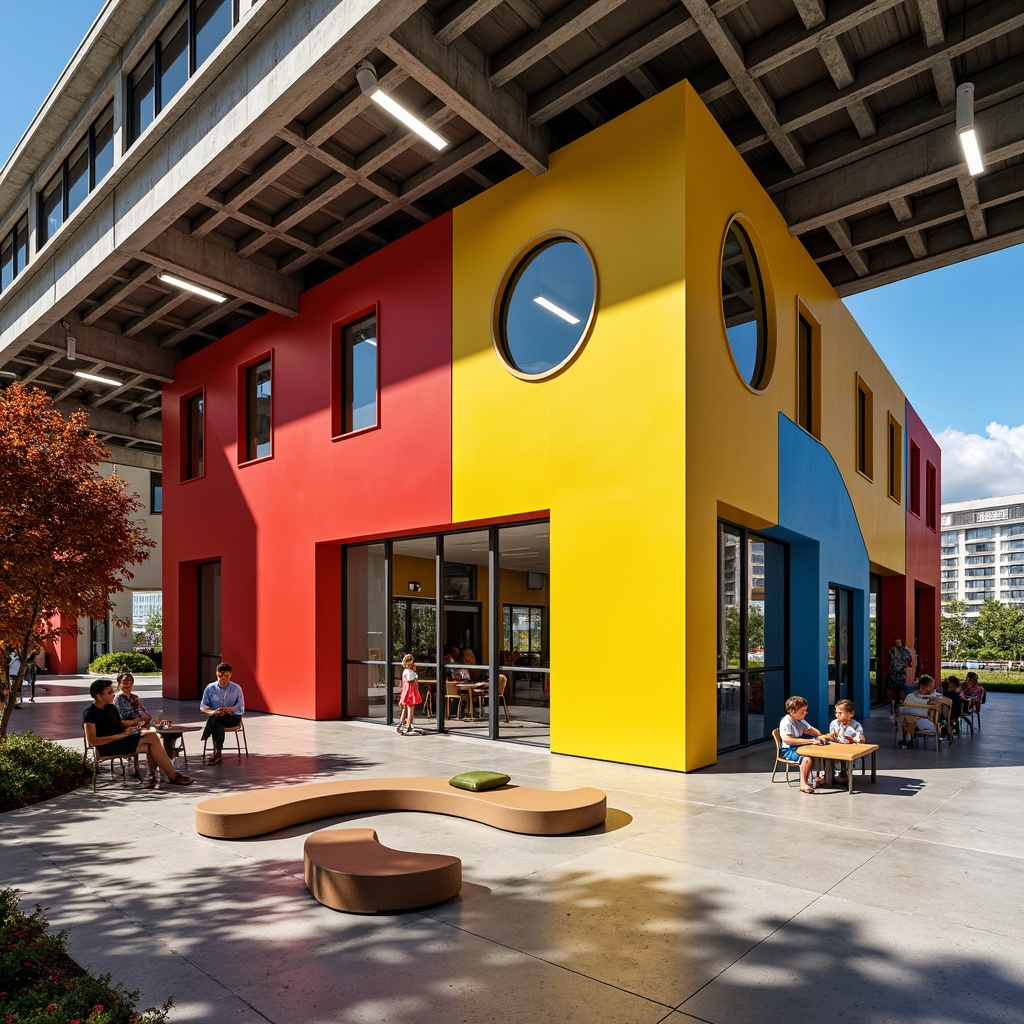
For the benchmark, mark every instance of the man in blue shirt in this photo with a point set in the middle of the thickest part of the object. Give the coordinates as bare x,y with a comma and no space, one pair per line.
225,705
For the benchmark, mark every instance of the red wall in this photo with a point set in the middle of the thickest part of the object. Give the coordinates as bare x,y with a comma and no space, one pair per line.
277,524
911,603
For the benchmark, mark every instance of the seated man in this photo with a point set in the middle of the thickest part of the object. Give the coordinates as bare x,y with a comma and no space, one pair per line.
915,707
106,732
224,703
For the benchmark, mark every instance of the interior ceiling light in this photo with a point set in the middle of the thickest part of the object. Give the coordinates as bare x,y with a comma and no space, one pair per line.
965,129
180,282
557,310
99,380
366,76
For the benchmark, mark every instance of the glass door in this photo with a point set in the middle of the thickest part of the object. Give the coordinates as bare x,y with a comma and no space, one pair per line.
209,622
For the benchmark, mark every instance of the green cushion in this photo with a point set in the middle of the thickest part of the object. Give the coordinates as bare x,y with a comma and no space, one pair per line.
478,781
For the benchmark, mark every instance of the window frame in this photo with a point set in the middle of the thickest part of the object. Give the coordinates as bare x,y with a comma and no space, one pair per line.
914,480
340,406
133,129
808,371
247,446
931,478
156,488
894,434
864,454
192,461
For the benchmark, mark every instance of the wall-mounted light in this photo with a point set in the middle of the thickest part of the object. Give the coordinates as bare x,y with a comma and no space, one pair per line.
965,129
366,76
414,587
99,380
198,289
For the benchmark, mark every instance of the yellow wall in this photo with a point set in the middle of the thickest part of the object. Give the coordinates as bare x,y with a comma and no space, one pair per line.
650,435
732,455
600,446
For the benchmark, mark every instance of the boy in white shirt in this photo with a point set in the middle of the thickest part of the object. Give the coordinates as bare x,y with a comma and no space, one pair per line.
794,733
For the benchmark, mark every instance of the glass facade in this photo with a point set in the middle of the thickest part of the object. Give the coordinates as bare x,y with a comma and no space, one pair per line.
196,29
472,608
752,653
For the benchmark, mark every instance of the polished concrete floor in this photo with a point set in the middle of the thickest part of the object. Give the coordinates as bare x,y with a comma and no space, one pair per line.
716,896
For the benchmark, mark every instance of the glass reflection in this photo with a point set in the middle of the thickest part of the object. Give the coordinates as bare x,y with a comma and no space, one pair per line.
743,306
547,306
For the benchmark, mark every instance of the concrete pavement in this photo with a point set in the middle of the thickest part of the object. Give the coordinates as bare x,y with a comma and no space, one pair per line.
715,896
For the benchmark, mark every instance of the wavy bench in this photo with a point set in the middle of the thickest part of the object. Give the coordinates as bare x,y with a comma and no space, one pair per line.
350,869
537,812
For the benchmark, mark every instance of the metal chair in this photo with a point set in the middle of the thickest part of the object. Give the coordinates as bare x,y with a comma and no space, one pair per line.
110,758
238,731
779,759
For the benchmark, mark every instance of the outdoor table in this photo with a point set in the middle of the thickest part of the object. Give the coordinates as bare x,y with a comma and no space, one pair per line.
846,753
171,736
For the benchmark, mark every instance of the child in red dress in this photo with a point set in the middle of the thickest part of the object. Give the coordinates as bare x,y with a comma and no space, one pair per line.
409,697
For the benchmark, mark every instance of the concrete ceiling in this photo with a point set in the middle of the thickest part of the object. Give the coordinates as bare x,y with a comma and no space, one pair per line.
271,171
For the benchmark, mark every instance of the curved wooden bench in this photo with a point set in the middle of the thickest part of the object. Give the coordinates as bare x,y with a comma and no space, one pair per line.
350,869
536,812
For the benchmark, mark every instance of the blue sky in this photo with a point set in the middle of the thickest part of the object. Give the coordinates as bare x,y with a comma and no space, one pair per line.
953,338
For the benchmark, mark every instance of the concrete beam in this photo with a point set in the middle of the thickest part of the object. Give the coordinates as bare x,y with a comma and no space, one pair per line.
113,350
457,75
210,265
106,421
135,457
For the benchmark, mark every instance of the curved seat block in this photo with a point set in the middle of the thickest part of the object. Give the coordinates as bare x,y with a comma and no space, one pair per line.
349,869
536,812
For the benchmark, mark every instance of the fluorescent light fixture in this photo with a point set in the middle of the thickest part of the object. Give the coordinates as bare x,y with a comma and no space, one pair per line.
99,380
180,282
366,76
965,129
557,310
8,373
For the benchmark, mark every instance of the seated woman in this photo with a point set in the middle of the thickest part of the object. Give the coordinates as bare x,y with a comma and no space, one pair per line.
106,732
129,707
972,692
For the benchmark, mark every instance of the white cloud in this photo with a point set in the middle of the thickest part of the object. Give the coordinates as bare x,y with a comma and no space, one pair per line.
982,467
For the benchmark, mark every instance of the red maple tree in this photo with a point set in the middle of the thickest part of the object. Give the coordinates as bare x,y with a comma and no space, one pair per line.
67,535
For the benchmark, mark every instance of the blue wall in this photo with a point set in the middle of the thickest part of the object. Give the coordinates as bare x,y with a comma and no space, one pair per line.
817,520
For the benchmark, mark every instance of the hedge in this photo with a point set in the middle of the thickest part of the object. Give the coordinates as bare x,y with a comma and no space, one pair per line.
121,661
34,769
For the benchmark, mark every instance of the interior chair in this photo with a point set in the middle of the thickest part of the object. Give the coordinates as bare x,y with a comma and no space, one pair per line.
486,696
452,693
98,756
240,740
779,759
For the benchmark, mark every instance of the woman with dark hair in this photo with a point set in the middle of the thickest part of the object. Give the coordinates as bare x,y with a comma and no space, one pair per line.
900,659
105,731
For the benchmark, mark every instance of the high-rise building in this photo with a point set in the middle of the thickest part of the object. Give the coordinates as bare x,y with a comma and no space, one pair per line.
983,551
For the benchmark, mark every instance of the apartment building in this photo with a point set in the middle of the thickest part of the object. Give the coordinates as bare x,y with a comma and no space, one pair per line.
983,551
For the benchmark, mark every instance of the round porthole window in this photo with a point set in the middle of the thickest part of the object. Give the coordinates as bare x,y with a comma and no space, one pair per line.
545,307
745,309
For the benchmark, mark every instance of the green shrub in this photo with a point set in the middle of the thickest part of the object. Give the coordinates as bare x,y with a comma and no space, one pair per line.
33,769
42,983
122,661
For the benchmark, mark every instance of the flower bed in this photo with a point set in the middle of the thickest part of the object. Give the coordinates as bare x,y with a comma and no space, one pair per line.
40,982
